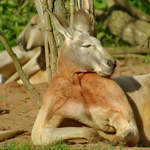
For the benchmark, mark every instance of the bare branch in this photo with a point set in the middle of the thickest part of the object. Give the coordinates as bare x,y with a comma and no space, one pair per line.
131,9
4,135
88,7
44,21
72,5
79,4
128,50
22,75
51,40
39,9
29,68
22,6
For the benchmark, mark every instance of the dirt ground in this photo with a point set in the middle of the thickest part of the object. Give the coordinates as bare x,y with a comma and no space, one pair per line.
22,110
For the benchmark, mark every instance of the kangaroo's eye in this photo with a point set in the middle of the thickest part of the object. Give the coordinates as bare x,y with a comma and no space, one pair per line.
86,45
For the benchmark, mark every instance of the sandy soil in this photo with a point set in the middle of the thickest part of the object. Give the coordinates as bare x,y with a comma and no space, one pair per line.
21,110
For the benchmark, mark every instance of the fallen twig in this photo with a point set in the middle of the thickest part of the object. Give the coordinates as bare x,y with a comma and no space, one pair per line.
4,135
4,111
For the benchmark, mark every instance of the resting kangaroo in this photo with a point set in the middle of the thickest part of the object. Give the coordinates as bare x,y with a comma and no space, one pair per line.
79,92
32,36
29,61
137,88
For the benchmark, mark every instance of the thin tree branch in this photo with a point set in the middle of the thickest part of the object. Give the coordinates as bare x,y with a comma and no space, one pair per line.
39,9
22,6
60,10
72,5
47,58
44,21
22,75
128,50
51,39
133,10
88,7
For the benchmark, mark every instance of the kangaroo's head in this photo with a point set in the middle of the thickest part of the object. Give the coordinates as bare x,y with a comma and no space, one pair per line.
84,51
32,36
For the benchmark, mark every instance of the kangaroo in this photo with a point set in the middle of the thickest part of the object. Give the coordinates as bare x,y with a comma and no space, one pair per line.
32,36
31,39
137,89
7,67
81,92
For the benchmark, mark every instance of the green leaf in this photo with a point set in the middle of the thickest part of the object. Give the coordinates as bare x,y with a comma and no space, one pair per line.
2,97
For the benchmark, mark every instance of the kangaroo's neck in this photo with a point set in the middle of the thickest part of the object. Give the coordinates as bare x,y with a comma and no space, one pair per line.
65,66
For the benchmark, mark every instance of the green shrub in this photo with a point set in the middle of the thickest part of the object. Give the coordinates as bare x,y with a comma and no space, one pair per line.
16,146
12,22
100,4
104,34
143,5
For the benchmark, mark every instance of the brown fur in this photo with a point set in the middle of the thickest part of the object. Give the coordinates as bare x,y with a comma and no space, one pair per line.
96,102
86,98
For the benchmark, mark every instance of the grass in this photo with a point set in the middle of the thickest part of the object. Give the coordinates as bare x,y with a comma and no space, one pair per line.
15,146
2,97
61,146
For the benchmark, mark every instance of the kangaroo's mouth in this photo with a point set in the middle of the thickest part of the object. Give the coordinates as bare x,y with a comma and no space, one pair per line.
105,73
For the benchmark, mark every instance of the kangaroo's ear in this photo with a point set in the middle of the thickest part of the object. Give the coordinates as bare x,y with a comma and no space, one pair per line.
59,26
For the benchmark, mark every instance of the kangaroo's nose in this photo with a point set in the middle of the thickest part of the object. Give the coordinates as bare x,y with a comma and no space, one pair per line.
111,63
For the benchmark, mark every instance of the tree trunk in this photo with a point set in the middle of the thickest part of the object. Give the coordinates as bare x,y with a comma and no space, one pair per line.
53,39
59,10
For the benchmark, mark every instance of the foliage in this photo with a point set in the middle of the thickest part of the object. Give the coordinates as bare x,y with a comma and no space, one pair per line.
107,38
15,146
103,33
147,59
60,146
11,21
100,4
143,5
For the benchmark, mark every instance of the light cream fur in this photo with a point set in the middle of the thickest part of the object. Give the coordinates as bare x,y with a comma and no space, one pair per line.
137,89
27,59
